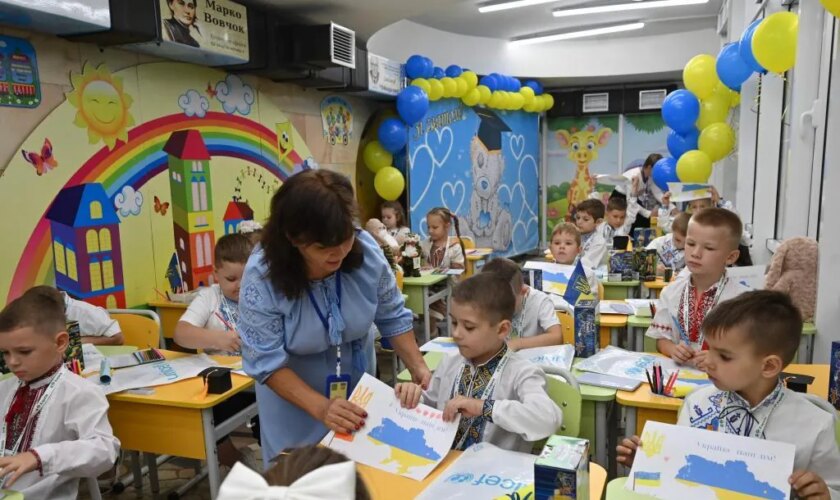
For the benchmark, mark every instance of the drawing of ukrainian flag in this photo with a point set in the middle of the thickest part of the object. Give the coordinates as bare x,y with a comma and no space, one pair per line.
650,479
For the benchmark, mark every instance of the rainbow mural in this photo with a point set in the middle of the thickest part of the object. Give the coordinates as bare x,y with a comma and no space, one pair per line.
141,158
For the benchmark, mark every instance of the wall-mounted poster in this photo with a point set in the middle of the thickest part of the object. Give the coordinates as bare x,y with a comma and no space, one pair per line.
216,26
337,120
481,164
19,84
384,75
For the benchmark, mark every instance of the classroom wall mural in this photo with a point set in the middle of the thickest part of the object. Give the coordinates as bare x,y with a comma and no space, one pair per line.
580,148
484,166
142,170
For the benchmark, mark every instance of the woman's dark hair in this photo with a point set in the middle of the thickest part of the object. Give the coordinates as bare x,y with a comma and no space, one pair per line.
294,465
652,159
399,211
313,206
448,217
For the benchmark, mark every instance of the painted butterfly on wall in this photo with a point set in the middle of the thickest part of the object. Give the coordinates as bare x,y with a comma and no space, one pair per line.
43,162
161,207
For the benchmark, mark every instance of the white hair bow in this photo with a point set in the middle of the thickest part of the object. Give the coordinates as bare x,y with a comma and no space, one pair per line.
336,481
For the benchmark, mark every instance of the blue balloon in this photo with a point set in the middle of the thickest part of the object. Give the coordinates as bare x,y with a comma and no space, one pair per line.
429,68
454,71
678,144
680,111
745,48
731,69
535,86
412,104
509,83
438,72
415,67
393,134
516,85
665,171
490,82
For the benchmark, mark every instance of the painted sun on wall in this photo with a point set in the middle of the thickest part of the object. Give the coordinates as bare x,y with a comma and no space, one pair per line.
160,160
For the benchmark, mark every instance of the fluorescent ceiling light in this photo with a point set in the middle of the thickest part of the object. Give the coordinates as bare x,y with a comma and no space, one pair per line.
511,4
577,34
623,7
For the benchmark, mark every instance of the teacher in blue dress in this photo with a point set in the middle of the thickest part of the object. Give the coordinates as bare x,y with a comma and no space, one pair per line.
309,296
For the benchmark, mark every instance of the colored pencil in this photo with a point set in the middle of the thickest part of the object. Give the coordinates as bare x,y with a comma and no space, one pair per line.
650,382
671,381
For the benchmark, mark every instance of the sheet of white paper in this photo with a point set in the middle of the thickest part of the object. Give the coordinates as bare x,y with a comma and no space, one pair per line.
560,356
153,374
409,443
641,307
440,344
621,363
482,472
555,277
615,307
93,358
752,277
682,462
681,192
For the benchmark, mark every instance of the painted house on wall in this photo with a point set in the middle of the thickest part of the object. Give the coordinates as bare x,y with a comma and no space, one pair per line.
86,245
192,205
236,212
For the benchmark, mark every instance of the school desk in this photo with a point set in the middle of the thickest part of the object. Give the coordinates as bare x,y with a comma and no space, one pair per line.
173,421
620,290
384,486
594,410
421,296
169,312
637,326
475,260
616,491
642,405
652,289
615,323
11,495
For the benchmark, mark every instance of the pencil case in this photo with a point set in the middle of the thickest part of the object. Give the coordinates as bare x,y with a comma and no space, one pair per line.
217,378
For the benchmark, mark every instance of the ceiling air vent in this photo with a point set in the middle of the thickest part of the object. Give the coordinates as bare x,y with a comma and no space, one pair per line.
342,46
596,103
651,99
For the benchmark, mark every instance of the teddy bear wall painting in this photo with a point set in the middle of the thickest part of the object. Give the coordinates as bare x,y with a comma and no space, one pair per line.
481,164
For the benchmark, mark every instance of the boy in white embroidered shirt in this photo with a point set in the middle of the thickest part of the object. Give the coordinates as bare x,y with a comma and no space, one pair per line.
55,428
565,249
617,220
751,339
501,396
588,215
95,323
670,248
711,244
534,323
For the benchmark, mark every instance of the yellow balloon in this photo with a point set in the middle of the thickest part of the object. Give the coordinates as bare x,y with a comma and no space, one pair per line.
462,87
435,89
700,76
518,100
423,84
527,94
472,98
832,6
530,107
389,183
694,166
717,141
376,156
496,99
471,78
449,86
774,41
549,101
485,93
712,111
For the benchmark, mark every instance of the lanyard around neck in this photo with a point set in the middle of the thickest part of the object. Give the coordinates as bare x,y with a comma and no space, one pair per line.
31,417
488,389
325,319
687,307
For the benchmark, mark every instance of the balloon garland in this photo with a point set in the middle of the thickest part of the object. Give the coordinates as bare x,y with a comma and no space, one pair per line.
429,83
697,115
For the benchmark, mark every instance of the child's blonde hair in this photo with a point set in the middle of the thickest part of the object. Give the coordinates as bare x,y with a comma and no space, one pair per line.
567,228
449,218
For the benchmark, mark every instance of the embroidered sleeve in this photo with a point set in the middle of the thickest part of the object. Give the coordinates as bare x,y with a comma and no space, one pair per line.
40,465
487,409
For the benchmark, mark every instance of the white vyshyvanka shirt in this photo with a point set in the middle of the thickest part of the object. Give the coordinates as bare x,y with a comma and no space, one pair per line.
72,437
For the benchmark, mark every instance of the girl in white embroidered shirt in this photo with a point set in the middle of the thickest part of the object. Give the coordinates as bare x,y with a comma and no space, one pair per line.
440,251
393,216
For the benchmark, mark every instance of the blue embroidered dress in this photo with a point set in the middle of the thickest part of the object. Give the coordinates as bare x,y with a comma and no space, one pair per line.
279,332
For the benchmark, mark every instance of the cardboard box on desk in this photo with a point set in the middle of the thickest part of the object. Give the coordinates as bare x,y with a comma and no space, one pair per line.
621,262
834,376
562,469
586,328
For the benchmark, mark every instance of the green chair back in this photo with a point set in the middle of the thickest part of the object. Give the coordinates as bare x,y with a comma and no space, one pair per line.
568,398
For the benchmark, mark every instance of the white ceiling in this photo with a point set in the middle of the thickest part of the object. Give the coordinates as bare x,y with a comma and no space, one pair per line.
366,17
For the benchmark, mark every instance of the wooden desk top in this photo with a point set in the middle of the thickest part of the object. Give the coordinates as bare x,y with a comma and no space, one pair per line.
424,280
382,485
167,303
183,393
659,284
612,320
644,398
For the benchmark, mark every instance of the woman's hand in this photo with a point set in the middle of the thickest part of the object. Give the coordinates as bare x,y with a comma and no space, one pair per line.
421,375
343,417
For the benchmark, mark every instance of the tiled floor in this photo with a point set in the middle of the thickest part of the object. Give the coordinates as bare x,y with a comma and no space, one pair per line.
177,472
